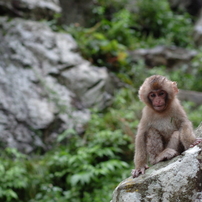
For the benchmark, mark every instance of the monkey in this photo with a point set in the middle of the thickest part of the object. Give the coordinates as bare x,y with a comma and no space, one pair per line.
164,130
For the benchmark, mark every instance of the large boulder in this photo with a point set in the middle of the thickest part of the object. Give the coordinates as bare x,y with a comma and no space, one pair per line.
171,57
192,96
46,87
30,9
170,181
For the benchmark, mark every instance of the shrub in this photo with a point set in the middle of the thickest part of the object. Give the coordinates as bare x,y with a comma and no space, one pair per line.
155,18
13,177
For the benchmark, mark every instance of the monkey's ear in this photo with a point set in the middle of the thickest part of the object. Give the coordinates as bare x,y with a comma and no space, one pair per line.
174,84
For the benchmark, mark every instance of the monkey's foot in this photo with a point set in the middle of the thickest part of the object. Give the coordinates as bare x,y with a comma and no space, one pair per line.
197,141
166,154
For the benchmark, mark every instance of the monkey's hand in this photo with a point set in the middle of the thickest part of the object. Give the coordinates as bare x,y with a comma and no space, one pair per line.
197,141
167,154
137,172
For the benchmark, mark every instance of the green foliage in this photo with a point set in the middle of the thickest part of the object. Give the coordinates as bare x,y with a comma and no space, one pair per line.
150,19
195,73
97,48
13,177
193,112
50,193
89,167
119,26
156,18
124,114
65,135
76,171
105,9
152,23
91,164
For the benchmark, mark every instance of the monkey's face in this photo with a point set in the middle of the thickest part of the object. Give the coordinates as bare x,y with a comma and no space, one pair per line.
158,93
157,99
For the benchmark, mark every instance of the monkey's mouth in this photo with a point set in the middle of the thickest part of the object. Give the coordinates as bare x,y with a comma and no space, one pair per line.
159,107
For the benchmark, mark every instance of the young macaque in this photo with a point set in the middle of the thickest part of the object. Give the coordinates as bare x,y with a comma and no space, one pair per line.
164,130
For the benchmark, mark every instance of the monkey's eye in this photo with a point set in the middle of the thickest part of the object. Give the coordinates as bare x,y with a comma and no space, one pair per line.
161,93
152,95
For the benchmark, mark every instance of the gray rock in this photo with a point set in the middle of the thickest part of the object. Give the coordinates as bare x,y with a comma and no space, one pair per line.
46,87
171,57
192,96
170,181
31,9
197,33
91,92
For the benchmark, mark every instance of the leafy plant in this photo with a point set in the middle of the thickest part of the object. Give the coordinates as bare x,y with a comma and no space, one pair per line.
83,169
50,193
120,28
13,177
86,168
98,49
155,18
195,72
107,42
193,112
104,9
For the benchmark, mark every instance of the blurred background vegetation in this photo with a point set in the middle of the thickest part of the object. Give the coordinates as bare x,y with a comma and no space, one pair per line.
88,168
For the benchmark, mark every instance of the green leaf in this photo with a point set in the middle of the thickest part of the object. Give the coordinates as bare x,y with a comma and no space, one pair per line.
82,178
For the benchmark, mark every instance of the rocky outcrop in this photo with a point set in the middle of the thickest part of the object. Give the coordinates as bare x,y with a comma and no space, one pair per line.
46,87
170,57
176,180
192,96
197,33
31,9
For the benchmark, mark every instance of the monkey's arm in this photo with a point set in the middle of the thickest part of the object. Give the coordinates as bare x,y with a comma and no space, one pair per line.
140,158
187,136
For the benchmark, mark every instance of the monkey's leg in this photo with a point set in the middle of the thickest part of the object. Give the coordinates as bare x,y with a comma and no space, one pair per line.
174,141
171,148
154,144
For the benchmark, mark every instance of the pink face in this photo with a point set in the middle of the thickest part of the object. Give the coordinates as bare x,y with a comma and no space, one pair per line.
158,99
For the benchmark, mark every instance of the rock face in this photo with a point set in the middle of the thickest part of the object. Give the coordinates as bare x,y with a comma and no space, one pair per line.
197,34
32,9
170,57
177,180
46,87
192,96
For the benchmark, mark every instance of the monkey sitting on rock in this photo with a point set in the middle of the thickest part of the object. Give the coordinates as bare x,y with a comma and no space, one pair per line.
164,130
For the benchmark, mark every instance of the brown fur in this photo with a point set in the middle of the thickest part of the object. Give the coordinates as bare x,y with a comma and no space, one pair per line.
161,135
